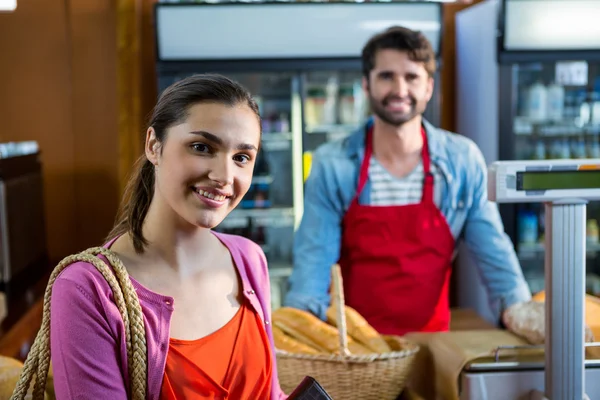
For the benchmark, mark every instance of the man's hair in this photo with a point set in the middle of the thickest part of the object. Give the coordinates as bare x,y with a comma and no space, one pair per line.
417,46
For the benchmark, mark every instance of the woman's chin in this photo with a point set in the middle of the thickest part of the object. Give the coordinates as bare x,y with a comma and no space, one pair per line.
208,221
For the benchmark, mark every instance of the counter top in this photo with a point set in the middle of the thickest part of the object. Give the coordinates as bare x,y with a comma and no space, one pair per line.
422,380
467,320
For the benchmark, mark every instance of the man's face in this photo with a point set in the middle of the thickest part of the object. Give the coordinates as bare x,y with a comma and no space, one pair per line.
398,88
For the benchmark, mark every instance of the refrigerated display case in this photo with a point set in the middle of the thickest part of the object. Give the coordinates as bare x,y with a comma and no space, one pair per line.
307,81
530,91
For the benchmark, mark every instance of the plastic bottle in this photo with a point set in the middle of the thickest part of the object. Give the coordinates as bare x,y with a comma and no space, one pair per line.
537,103
540,150
595,117
594,146
592,232
555,102
528,227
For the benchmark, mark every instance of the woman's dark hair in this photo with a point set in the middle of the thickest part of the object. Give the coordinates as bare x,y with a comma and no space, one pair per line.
170,110
417,46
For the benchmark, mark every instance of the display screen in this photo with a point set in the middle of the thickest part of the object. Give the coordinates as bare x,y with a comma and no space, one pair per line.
556,180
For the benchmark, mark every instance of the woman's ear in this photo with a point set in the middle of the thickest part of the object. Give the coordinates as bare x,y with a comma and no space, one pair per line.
152,146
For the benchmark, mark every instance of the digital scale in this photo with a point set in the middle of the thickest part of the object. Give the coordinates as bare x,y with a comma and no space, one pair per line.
565,187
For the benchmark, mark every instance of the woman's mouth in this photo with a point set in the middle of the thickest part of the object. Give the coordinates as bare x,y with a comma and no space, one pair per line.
211,198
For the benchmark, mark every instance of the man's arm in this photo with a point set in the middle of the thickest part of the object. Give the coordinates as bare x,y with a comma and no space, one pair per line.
490,246
317,241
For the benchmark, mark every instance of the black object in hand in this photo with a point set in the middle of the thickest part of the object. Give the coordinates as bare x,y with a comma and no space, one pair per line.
309,389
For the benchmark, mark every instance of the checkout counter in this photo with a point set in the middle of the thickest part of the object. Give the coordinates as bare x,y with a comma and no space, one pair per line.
486,363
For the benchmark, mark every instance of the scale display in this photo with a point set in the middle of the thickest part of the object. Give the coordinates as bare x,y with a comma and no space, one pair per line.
558,180
544,180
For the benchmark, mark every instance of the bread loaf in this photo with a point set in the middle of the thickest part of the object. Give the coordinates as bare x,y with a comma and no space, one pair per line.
592,311
287,343
528,321
360,330
310,330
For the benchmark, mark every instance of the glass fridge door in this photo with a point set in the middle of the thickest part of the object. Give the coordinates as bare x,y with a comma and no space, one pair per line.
334,105
557,116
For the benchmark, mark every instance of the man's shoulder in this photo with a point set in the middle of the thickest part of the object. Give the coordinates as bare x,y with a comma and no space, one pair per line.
459,151
340,153
335,149
454,142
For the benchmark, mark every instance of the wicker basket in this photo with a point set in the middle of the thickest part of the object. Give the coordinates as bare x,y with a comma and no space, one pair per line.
345,376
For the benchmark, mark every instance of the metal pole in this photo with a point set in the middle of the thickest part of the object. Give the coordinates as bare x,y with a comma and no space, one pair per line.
565,294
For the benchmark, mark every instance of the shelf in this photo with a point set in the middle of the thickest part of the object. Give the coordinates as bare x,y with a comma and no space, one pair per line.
262,180
331,128
271,217
536,281
534,251
277,141
523,127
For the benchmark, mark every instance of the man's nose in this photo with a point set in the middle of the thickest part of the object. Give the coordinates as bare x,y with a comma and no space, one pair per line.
400,87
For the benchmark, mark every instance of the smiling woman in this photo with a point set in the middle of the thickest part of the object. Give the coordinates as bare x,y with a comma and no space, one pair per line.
204,295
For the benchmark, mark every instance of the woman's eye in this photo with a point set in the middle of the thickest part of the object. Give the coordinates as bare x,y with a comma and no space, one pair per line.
242,158
200,148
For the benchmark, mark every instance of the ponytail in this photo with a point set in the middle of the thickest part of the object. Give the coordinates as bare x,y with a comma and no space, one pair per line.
136,202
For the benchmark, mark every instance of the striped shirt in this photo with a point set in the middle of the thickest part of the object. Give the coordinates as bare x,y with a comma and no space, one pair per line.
388,190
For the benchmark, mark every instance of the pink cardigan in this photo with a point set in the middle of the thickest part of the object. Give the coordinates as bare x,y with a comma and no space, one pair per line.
89,356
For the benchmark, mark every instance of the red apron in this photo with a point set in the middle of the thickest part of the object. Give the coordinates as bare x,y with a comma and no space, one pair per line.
396,260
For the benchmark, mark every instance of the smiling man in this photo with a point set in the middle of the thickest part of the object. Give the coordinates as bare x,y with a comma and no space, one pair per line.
391,202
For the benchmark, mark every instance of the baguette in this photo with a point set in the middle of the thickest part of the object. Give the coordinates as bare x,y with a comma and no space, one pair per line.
360,330
287,343
310,330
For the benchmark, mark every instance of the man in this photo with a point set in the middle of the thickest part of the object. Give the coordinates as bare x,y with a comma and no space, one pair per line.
390,202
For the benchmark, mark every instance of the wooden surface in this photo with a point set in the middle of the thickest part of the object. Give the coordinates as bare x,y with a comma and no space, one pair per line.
129,22
467,319
137,83
58,79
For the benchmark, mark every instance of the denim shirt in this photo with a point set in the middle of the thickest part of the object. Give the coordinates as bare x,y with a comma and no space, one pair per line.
331,187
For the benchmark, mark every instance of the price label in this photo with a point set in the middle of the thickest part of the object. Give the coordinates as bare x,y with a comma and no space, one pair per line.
572,73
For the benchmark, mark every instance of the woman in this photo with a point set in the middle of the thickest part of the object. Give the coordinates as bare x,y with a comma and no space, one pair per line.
205,296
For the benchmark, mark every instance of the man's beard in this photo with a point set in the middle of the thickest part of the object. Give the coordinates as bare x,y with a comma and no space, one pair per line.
394,118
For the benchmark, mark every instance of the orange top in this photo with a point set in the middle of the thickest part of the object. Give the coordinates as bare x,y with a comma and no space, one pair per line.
232,363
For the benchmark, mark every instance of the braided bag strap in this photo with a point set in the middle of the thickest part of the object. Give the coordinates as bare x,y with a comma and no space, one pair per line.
38,360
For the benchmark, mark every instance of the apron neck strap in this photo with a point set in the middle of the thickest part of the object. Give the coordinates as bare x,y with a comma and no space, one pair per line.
364,167
427,175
